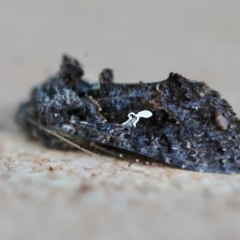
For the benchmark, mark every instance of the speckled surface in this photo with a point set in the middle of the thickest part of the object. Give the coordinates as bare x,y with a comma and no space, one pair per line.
48,194
67,195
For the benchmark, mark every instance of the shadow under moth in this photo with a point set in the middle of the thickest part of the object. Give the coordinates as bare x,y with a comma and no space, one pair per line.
176,121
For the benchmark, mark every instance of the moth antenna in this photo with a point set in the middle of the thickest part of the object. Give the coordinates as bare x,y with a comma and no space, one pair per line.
108,151
129,159
59,137
102,149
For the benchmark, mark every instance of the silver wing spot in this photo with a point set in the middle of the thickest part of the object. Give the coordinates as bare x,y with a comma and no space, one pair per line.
134,118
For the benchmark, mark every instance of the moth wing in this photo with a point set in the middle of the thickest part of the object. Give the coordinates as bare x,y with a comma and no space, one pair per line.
109,135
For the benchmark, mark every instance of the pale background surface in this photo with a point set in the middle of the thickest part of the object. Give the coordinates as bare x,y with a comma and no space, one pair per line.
46,194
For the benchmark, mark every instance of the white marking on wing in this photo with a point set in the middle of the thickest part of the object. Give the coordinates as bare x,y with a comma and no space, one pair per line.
134,118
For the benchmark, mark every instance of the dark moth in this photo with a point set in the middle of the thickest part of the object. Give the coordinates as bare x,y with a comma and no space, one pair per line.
177,121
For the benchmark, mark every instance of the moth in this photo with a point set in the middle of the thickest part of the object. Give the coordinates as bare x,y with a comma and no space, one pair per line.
176,121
